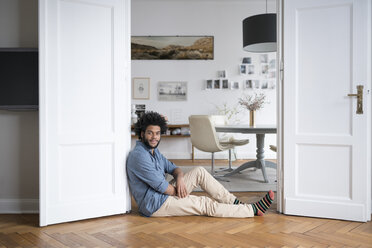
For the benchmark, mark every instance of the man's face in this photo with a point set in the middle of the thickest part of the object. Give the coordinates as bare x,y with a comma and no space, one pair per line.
151,137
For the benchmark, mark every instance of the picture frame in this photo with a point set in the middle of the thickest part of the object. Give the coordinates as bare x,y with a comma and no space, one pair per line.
272,64
264,85
264,69
209,84
183,47
221,74
256,84
225,84
247,60
235,85
242,69
172,91
248,84
264,58
250,69
141,88
217,84
272,84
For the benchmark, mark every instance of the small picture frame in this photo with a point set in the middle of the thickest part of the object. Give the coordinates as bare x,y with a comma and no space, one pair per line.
272,64
248,84
272,84
250,69
264,85
243,69
217,84
141,88
209,84
221,74
272,74
264,58
234,85
256,84
264,69
247,60
225,84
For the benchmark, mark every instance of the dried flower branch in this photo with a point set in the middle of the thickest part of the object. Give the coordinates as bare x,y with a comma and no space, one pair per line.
253,102
229,112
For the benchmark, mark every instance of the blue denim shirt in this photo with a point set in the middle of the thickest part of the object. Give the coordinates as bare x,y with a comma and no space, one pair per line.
146,176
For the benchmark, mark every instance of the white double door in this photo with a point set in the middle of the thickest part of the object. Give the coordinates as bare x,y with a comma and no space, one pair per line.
85,108
326,144
84,49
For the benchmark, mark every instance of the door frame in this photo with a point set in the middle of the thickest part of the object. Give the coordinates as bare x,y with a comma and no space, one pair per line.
279,106
280,98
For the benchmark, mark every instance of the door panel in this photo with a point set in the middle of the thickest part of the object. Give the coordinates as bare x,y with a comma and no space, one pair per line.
325,143
323,65
84,109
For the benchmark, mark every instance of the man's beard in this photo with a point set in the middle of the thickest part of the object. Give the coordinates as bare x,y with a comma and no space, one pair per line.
147,144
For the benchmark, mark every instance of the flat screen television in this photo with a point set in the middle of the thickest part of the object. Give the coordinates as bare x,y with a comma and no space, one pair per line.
19,79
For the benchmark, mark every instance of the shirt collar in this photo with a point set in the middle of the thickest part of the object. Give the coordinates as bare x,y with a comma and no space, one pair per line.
139,142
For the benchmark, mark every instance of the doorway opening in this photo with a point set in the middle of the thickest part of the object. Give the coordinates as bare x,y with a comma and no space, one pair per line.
212,86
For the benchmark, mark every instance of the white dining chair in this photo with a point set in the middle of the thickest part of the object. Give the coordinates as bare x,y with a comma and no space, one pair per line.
204,137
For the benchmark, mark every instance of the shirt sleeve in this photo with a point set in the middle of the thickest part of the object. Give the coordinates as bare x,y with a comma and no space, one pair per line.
145,171
168,165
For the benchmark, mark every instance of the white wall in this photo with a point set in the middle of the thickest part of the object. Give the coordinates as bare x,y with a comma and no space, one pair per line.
221,19
19,141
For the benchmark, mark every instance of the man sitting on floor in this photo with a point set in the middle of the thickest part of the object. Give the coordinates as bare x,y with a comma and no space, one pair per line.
147,168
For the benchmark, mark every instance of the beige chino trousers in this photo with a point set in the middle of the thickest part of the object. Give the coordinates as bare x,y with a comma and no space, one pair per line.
220,206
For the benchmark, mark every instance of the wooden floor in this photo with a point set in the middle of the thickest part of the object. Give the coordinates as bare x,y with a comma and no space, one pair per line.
133,230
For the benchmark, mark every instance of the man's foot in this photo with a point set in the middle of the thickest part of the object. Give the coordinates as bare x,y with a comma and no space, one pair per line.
260,207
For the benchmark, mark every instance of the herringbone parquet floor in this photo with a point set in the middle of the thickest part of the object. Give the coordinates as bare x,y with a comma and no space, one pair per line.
132,230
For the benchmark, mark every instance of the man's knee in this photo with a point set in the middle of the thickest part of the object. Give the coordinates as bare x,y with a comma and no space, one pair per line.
199,170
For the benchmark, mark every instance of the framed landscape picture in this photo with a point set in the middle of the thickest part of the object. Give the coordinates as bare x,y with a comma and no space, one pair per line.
172,47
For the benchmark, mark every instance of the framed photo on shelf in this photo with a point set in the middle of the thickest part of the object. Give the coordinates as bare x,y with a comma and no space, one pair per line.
141,88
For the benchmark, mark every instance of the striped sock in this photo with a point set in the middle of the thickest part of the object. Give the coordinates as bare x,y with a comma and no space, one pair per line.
236,202
260,207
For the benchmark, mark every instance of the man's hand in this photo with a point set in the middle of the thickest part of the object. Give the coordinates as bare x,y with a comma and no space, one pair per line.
180,183
181,187
171,190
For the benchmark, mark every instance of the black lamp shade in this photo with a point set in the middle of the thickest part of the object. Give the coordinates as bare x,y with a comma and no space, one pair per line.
259,33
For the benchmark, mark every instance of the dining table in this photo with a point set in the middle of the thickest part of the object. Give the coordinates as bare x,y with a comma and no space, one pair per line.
260,131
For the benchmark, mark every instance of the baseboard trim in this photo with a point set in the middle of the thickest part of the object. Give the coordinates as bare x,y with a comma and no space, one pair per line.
19,206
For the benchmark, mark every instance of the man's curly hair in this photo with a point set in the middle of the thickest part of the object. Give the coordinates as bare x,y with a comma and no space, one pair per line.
147,119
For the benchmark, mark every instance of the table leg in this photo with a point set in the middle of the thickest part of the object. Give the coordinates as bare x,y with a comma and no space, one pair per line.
259,163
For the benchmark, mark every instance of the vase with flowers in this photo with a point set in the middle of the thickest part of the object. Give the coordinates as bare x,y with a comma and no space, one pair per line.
252,103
